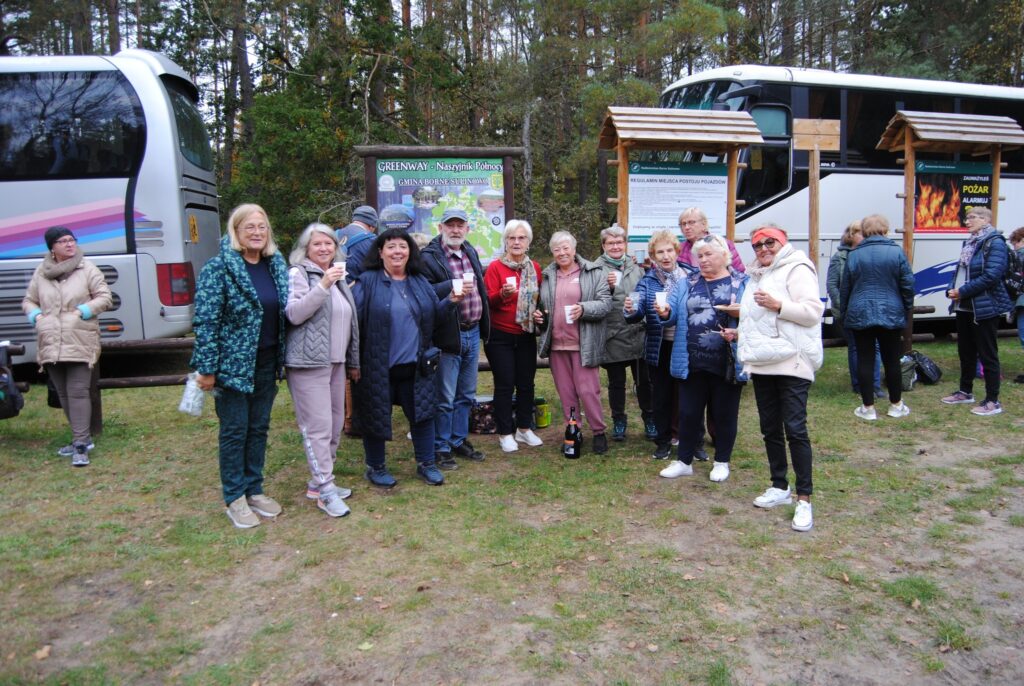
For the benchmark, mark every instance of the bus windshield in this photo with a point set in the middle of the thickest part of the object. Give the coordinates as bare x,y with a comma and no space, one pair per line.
69,125
193,140
701,96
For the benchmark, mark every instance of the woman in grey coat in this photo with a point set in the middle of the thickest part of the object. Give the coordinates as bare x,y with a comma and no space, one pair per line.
624,345
575,300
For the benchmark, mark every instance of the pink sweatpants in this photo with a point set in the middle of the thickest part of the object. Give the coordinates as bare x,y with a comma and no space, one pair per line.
318,394
578,386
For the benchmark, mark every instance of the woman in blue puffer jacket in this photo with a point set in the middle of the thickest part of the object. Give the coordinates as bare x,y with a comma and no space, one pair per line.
875,295
978,298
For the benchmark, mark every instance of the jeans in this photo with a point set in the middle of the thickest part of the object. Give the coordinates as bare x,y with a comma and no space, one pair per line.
403,377
617,388
886,343
244,423
703,390
976,342
782,409
513,359
456,392
851,361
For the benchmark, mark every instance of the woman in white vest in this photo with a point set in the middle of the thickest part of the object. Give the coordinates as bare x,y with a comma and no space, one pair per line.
780,347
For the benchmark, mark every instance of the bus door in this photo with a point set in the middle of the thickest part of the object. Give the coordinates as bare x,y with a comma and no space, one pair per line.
769,171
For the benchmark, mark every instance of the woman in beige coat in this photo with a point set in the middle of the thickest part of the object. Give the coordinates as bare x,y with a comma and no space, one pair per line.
66,294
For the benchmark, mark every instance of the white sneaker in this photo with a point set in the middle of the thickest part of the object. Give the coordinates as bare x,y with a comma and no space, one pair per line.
897,411
508,443
528,437
772,497
720,472
803,519
867,413
677,468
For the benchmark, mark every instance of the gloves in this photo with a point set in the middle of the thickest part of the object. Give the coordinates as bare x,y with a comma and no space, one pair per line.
33,315
86,312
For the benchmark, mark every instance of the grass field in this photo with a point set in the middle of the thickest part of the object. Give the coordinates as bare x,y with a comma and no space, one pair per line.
526,568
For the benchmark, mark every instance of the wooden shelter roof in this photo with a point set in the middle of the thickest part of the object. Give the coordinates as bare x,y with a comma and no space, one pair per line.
651,128
943,132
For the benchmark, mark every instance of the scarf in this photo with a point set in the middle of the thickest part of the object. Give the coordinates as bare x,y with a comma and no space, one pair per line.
529,291
668,279
972,243
616,263
55,271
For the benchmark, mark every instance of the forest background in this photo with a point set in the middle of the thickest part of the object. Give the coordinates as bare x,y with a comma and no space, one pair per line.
289,87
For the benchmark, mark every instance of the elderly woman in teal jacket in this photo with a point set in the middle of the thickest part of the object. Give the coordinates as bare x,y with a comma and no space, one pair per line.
239,350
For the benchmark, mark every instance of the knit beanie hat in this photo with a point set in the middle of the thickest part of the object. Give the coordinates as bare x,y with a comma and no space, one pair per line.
54,234
366,215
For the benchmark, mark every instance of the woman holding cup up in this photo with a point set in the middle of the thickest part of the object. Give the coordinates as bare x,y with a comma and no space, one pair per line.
574,292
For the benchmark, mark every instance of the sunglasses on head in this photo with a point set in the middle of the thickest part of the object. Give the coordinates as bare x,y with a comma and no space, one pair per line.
766,243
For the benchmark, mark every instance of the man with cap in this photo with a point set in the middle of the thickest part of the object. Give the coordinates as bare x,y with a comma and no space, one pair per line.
450,256
356,238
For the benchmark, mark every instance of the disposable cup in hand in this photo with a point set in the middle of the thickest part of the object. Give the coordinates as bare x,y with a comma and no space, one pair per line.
340,264
457,286
661,298
568,314
510,280
616,276
634,299
467,278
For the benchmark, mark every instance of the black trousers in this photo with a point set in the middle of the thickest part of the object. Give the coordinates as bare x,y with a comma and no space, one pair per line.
617,387
977,341
513,359
663,392
889,348
782,409
722,400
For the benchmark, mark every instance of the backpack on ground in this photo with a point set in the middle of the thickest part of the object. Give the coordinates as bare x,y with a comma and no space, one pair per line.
908,372
11,399
927,371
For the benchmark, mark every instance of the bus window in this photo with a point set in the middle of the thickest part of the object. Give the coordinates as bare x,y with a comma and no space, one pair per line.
1000,108
824,103
769,165
68,125
701,96
193,140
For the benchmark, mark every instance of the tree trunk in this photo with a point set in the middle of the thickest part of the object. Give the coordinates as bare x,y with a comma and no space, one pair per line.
114,26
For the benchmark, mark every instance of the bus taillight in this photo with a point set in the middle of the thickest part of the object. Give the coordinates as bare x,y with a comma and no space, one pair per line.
176,282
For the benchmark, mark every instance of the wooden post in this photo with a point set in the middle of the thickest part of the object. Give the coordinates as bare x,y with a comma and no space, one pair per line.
732,186
813,195
622,183
997,155
508,179
908,222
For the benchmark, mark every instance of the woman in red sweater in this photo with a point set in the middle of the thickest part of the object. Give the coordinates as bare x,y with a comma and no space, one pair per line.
513,286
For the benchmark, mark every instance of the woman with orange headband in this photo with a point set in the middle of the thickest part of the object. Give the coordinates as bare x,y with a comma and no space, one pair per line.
780,347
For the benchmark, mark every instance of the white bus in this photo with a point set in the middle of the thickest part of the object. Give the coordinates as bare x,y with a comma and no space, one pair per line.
114,148
858,179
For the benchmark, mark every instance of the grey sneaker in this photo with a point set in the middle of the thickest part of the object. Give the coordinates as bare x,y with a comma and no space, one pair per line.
331,503
240,514
987,409
69,449
263,505
313,494
81,456
959,398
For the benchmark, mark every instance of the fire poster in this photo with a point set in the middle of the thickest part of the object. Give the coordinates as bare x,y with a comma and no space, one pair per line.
429,186
945,190
659,191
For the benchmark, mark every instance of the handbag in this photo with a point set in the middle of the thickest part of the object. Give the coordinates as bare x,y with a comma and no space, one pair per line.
428,361
730,367
927,371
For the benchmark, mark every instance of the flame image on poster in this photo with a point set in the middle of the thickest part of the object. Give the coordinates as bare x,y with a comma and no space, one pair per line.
945,191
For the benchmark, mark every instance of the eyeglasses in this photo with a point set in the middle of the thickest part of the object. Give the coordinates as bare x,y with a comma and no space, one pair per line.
690,222
516,238
972,216
256,229
67,240
768,243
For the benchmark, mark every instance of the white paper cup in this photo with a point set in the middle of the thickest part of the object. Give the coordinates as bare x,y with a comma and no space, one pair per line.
468,278
661,298
618,276
510,280
634,298
341,265
568,314
457,286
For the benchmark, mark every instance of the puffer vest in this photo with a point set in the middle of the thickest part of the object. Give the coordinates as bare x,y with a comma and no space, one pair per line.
309,344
